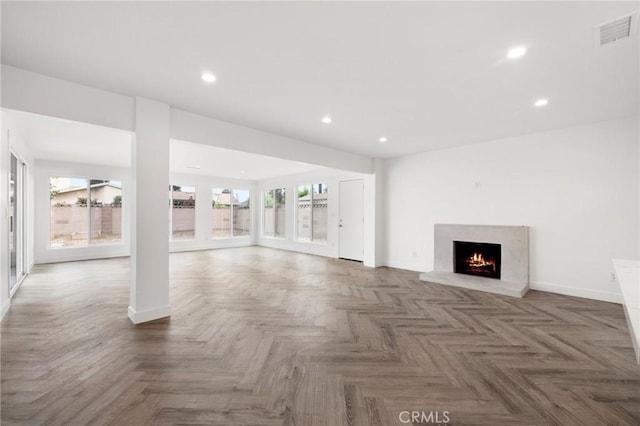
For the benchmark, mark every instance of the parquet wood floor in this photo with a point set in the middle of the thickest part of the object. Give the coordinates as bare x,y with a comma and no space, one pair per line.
267,337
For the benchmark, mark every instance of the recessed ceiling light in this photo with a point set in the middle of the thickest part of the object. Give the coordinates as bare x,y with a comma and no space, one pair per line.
326,119
516,52
208,77
382,139
541,102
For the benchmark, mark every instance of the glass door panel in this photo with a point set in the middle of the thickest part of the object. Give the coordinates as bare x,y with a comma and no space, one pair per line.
16,222
13,216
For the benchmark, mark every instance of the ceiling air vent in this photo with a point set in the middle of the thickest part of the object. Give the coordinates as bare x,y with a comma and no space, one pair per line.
617,29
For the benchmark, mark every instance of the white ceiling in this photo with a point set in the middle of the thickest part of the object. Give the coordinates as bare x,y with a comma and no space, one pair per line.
51,138
63,140
426,75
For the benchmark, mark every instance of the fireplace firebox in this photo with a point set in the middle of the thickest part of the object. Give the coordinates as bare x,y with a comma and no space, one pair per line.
480,259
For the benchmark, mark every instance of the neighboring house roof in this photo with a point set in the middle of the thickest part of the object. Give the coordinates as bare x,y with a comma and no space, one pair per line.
225,199
84,188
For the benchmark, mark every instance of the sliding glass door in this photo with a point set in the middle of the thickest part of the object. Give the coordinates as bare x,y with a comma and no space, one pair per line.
16,222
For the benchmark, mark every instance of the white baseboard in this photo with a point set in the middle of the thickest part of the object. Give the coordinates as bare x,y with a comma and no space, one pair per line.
5,309
410,266
585,293
632,332
77,256
605,296
314,248
194,245
149,314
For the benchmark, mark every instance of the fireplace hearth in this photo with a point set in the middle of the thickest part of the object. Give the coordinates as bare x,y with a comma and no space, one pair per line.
480,259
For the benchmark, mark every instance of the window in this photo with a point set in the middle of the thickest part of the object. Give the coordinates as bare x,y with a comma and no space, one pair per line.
231,212
183,212
274,213
304,213
85,211
241,213
312,213
221,212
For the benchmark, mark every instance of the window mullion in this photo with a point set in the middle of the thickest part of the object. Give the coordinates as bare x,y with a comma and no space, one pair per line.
89,210
231,211
311,215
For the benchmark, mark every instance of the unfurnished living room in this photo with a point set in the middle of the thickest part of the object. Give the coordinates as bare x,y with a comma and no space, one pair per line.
320,213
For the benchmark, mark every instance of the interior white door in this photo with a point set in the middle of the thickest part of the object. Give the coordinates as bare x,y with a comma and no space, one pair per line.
351,220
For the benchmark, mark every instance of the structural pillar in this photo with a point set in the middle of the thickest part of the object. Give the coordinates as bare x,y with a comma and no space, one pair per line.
374,210
149,299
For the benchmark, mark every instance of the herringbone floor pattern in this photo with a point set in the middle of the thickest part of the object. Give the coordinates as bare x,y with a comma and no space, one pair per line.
266,337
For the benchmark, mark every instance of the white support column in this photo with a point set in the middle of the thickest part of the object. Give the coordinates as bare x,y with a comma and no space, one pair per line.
150,213
380,207
374,216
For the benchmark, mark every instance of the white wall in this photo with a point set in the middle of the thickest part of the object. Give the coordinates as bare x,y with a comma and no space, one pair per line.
47,169
332,178
577,188
203,185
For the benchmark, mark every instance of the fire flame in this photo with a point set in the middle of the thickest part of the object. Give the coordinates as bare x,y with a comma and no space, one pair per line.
478,260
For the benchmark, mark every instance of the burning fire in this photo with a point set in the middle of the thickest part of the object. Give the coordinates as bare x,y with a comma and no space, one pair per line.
478,261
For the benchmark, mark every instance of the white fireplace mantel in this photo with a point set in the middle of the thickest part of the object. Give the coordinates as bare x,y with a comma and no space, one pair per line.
514,273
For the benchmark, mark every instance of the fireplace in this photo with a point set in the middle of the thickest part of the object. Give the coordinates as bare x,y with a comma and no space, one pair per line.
509,253
480,259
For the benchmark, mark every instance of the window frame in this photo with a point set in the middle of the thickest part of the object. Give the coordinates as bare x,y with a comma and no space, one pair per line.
272,191
120,242
231,212
311,239
195,214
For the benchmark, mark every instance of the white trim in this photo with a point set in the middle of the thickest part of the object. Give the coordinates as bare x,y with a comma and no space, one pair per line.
627,273
305,247
149,314
72,254
634,342
15,288
585,293
5,309
44,253
611,297
194,245
410,266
